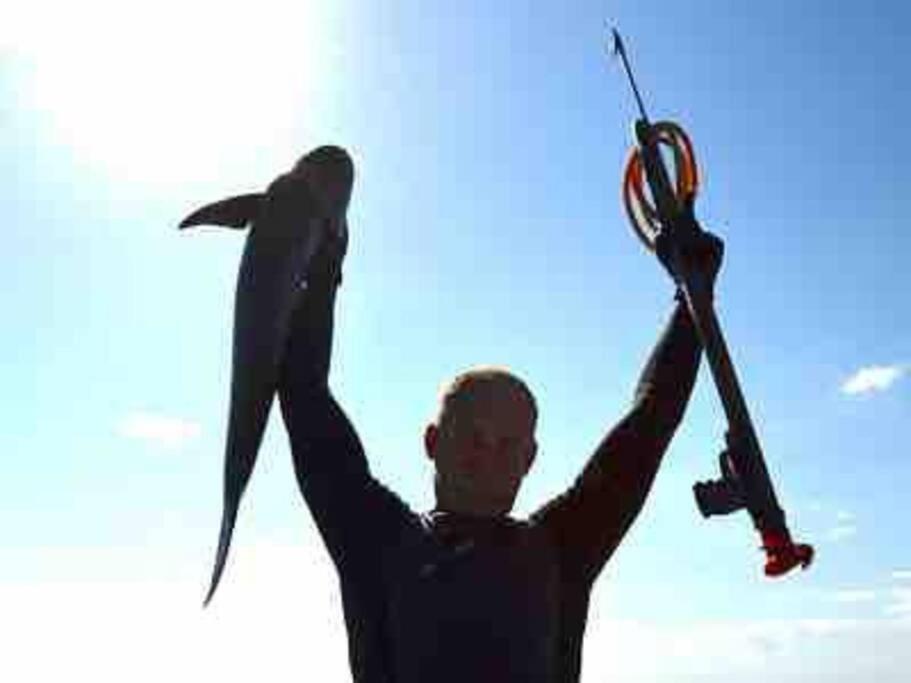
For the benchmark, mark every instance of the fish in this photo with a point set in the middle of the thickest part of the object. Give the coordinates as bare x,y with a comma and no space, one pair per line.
289,222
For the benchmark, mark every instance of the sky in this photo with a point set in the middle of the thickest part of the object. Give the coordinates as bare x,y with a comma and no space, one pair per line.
486,228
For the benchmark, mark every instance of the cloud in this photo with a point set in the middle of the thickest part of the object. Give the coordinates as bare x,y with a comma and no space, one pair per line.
855,595
901,603
277,617
841,532
161,430
895,602
873,378
750,650
843,527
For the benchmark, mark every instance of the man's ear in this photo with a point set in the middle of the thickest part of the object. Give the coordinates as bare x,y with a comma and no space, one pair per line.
431,434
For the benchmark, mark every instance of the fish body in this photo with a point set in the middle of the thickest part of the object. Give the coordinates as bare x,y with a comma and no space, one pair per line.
289,222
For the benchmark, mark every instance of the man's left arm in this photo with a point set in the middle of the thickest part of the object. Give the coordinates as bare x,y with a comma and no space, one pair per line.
590,519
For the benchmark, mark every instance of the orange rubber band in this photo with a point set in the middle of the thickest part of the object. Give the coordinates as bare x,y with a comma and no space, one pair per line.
642,213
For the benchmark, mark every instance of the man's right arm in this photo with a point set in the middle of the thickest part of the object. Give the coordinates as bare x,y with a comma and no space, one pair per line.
357,517
355,514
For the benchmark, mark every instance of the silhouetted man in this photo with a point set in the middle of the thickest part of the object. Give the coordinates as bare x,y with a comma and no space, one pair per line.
466,593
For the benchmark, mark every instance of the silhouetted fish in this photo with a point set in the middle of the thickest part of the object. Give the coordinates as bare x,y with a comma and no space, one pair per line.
288,224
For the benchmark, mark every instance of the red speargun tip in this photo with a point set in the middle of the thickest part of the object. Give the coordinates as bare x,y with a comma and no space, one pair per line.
782,554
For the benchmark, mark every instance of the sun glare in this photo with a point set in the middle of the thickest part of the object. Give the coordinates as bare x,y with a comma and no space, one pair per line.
161,92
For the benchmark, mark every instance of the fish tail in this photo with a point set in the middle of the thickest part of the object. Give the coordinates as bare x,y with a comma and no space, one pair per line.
229,517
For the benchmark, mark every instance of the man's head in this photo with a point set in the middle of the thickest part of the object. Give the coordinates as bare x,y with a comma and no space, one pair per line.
482,441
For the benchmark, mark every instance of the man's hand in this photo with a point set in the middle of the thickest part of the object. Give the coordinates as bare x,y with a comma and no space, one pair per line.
700,251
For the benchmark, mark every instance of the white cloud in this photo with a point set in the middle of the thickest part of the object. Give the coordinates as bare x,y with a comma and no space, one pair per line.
902,575
750,650
278,617
844,516
841,532
855,595
873,378
901,603
163,430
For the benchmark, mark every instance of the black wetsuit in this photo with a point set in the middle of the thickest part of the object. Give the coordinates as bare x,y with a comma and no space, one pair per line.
441,597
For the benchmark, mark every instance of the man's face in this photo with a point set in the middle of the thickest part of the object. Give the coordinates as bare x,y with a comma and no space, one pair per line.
482,449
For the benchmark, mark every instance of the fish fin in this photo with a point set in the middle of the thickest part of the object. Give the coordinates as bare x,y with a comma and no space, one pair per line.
234,212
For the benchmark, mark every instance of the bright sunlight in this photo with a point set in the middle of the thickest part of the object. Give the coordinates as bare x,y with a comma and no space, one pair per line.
126,85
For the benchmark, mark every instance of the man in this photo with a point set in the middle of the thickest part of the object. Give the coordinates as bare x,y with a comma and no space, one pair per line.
466,592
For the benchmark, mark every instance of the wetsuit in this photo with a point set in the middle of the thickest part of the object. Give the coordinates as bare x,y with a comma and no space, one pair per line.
438,597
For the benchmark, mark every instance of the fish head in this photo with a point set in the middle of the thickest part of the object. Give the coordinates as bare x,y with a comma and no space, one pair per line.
319,185
328,172
317,189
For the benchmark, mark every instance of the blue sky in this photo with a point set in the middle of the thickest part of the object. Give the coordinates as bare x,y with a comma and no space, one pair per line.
486,228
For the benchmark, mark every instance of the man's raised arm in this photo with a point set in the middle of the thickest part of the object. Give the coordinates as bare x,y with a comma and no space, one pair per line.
355,514
591,518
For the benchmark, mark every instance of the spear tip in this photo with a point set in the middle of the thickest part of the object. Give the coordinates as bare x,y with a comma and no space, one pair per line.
617,48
